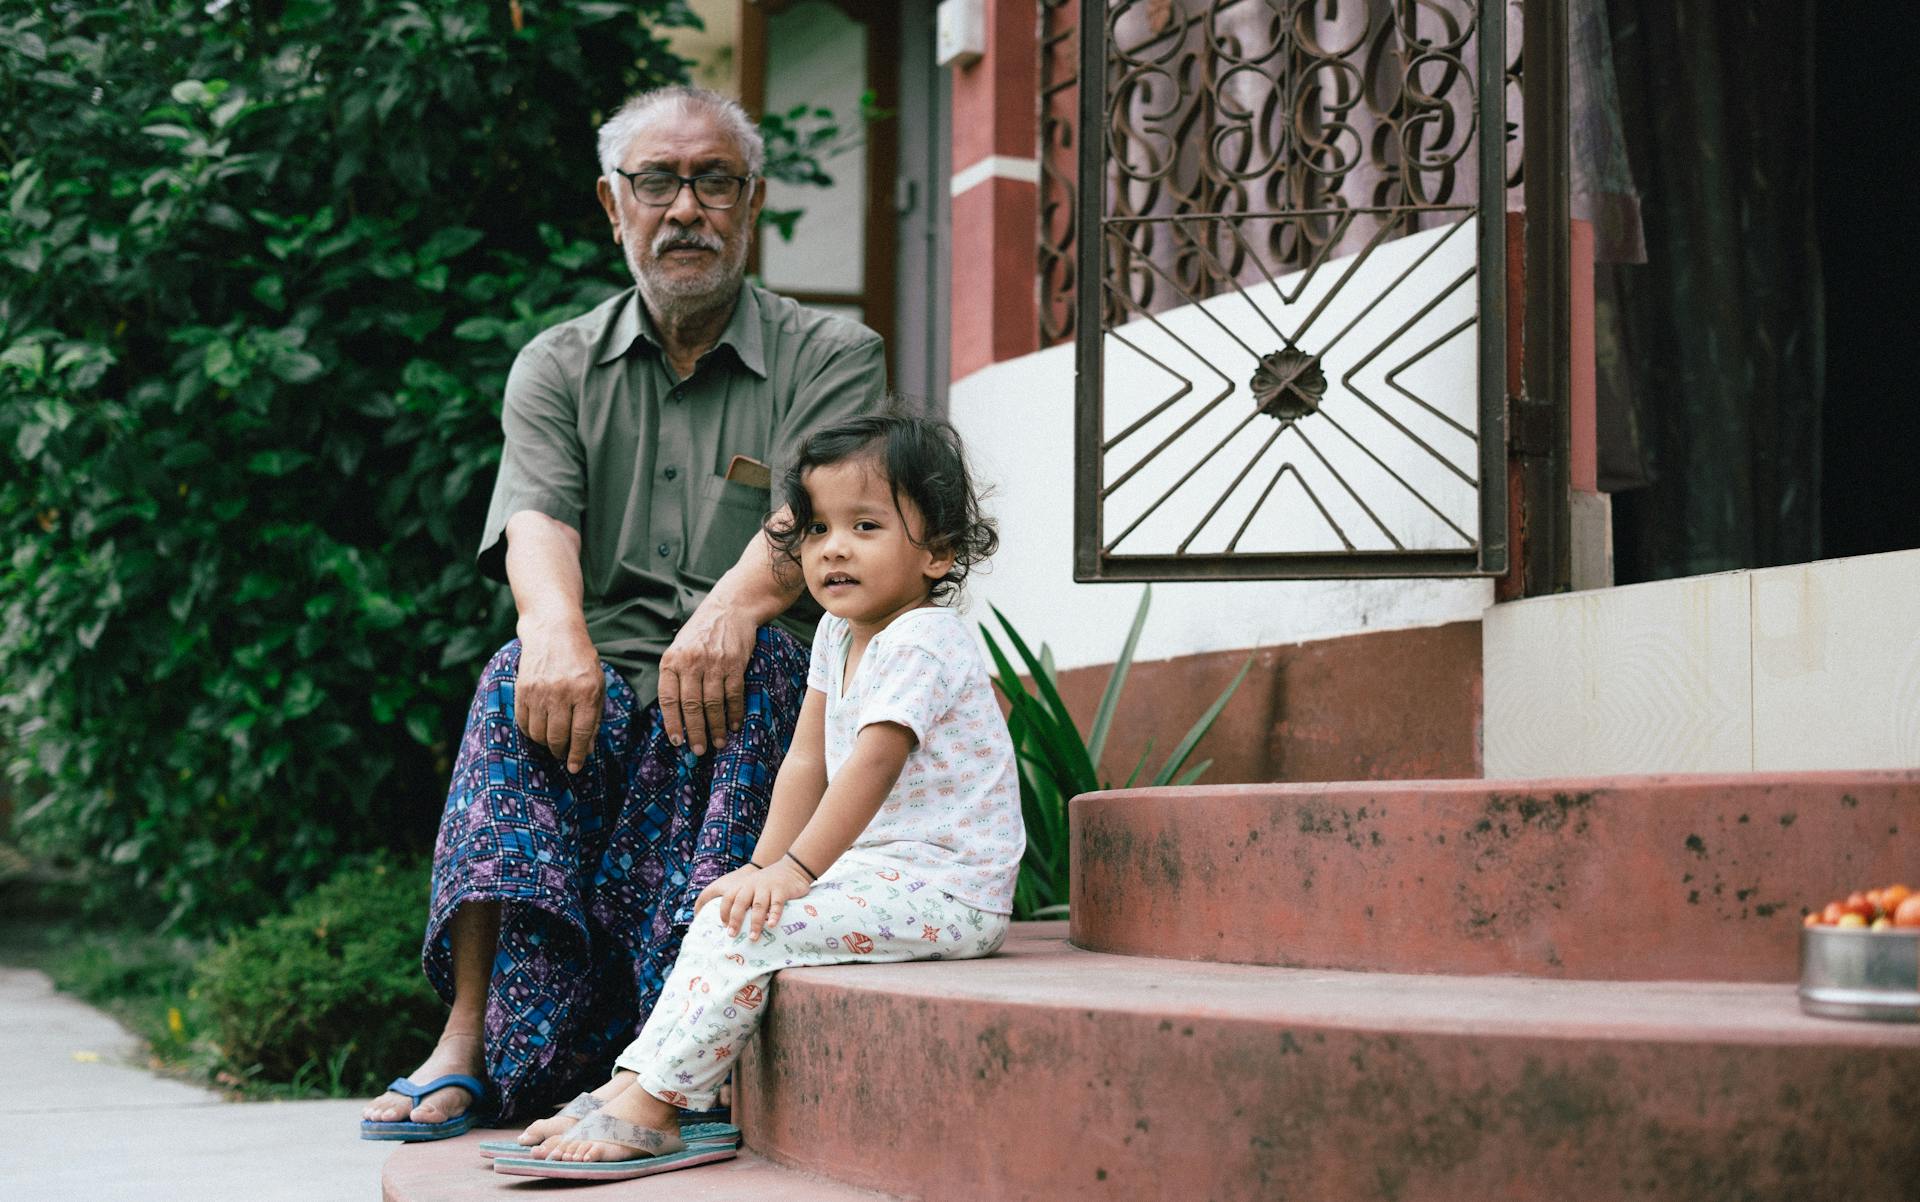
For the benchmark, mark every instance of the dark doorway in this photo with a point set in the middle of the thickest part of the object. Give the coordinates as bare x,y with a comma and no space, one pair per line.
1870,432
1759,344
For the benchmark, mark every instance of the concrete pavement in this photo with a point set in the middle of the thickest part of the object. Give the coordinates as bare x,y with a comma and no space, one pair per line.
85,1122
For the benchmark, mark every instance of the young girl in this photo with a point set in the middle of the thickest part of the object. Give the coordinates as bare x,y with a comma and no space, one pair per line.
894,831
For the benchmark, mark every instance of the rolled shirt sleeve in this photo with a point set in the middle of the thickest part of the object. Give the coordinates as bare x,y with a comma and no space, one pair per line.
851,380
542,462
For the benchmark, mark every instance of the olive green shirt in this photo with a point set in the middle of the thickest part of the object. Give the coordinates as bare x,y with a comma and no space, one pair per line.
601,436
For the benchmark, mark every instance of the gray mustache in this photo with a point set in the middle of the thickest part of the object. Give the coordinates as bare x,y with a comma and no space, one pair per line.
684,240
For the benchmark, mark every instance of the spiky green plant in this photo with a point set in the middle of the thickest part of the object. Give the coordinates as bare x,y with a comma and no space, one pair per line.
1057,763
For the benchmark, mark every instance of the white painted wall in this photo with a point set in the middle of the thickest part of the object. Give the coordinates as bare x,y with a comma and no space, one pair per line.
1017,418
1813,666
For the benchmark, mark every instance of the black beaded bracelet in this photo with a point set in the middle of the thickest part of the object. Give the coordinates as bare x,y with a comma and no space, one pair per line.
811,874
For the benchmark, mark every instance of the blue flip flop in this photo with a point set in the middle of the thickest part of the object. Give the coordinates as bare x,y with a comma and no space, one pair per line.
459,1124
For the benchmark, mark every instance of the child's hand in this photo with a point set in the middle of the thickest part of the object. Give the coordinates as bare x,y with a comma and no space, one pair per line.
724,885
758,900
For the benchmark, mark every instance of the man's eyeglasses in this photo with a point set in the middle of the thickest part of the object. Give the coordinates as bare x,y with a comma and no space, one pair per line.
662,188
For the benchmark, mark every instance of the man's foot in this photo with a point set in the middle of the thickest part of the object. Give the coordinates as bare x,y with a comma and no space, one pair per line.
455,1053
552,1128
661,1121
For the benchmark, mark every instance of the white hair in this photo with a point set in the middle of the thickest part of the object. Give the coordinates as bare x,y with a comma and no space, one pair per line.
681,101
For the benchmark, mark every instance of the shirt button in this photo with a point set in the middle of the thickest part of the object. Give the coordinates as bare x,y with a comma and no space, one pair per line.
664,550
672,472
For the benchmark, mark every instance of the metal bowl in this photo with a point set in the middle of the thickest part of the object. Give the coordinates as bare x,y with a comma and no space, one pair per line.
1850,972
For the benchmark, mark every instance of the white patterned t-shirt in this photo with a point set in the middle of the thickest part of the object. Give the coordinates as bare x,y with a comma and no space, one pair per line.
953,817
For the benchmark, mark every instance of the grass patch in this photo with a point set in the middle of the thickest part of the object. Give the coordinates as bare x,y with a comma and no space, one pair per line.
325,1000
144,981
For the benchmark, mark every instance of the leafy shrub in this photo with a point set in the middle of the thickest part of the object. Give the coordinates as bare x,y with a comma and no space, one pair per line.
329,992
1057,763
263,267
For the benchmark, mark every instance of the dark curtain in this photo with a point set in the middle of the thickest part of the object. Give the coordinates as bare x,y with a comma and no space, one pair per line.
1711,352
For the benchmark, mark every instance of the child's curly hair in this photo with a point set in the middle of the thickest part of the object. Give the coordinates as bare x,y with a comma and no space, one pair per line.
923,461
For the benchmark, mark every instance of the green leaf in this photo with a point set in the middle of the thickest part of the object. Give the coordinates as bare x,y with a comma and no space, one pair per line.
1067,743
447,242
1194,773
1200,727
168,132
278,463
478,329
1110,696
24,42
29,357
217,359
297,367
32,439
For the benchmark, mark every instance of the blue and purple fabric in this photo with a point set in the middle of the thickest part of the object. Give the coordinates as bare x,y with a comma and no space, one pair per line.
596,872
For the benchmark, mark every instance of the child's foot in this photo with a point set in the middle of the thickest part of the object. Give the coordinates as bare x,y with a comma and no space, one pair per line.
457,1052
660,1134
550,1129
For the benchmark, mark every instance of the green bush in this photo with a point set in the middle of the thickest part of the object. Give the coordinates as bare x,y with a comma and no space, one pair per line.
330,993
263,267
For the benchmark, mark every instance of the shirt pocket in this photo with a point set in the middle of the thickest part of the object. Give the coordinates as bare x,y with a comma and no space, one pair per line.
730,515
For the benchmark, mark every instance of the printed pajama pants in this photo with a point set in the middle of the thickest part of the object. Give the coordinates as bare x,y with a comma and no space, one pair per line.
714,999
596,872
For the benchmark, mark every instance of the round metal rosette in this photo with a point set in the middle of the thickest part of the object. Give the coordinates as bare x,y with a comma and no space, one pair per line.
1289,384
1851,972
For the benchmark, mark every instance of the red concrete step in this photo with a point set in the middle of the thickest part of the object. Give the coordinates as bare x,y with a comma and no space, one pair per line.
451,1171
1622,878
1054,1074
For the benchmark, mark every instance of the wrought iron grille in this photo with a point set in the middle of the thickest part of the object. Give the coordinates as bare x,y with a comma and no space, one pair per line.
1293,362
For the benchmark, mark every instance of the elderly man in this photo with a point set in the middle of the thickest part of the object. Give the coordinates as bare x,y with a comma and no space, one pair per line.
620,753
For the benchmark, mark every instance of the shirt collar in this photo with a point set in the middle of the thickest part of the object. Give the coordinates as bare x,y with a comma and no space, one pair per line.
743,332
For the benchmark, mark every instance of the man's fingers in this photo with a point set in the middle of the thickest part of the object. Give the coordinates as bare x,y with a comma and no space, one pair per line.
736,699
716,709
693,712
533,720
586,720
559,724
670,706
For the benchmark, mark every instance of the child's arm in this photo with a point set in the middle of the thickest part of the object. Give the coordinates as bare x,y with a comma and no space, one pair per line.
879,753
796,795
801,784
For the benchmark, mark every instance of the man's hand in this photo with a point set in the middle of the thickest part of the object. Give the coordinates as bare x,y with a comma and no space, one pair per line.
703,677
757,898
558,693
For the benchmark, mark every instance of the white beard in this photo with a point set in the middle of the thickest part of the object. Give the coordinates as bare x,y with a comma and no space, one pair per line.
669,298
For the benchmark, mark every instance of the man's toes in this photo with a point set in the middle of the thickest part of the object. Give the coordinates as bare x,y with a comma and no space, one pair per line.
388,1108
439,1107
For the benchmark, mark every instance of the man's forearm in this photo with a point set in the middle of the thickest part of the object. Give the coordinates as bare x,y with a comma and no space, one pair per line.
756,586
543,569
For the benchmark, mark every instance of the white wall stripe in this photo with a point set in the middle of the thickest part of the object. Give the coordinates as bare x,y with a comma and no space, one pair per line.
995,166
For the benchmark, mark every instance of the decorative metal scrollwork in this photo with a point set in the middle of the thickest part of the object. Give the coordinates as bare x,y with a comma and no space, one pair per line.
1282,186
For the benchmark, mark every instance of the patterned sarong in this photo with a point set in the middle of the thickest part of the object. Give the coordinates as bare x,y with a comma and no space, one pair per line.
597,872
